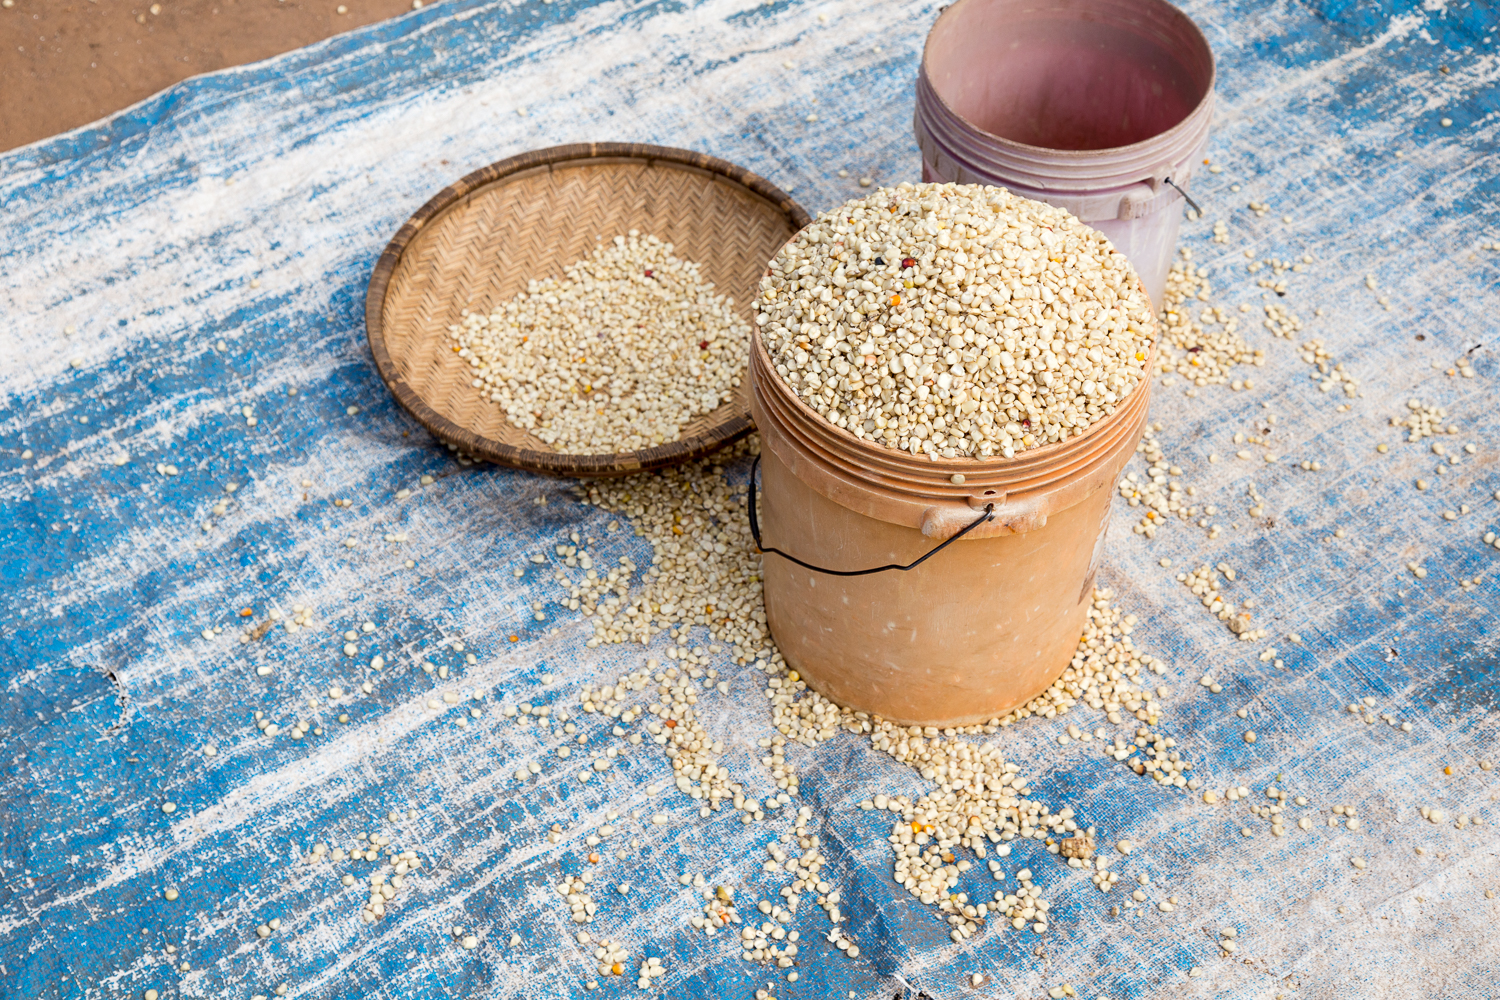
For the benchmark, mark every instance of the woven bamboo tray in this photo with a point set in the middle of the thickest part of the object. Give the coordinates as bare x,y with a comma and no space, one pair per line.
480,240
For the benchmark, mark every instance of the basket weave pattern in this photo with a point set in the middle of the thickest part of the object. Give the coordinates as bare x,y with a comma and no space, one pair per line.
482,239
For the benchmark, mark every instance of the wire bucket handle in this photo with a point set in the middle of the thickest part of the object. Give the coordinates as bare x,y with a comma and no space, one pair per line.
988,515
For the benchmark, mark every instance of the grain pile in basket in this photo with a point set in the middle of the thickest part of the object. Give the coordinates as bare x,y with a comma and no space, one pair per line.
615,356
955,320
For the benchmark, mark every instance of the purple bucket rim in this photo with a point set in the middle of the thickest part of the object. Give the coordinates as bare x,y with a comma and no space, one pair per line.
1204,102
936,124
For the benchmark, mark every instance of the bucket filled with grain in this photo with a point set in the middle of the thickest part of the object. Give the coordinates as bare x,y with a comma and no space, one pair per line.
932,361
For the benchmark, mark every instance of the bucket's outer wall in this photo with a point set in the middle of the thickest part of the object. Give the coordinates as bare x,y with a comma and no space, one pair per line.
981,628
1088,105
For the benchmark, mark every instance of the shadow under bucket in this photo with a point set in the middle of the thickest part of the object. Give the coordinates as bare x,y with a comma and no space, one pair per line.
1093,106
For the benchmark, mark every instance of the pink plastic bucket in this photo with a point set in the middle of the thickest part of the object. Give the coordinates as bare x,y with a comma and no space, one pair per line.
1089,105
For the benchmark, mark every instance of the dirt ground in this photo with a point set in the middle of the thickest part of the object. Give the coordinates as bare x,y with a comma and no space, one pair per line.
65,63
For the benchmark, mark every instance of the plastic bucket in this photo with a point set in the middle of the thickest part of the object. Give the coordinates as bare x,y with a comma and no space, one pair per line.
981,627
1088,105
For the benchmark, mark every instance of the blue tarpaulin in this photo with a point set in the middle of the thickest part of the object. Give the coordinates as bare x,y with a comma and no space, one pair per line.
187,390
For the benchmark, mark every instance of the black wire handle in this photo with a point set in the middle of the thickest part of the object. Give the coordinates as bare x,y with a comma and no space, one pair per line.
1185,197
988,515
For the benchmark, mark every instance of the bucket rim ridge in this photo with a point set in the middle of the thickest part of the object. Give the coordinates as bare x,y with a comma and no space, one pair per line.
1057,172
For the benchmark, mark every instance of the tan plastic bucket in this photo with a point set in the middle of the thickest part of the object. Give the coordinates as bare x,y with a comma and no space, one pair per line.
981,627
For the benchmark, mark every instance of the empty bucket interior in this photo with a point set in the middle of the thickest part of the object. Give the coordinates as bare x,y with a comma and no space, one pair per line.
1069,74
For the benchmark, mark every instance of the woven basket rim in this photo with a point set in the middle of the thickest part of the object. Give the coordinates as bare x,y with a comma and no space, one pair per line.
551,462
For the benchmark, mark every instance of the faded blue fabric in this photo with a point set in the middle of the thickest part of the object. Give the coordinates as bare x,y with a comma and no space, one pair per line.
132,330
